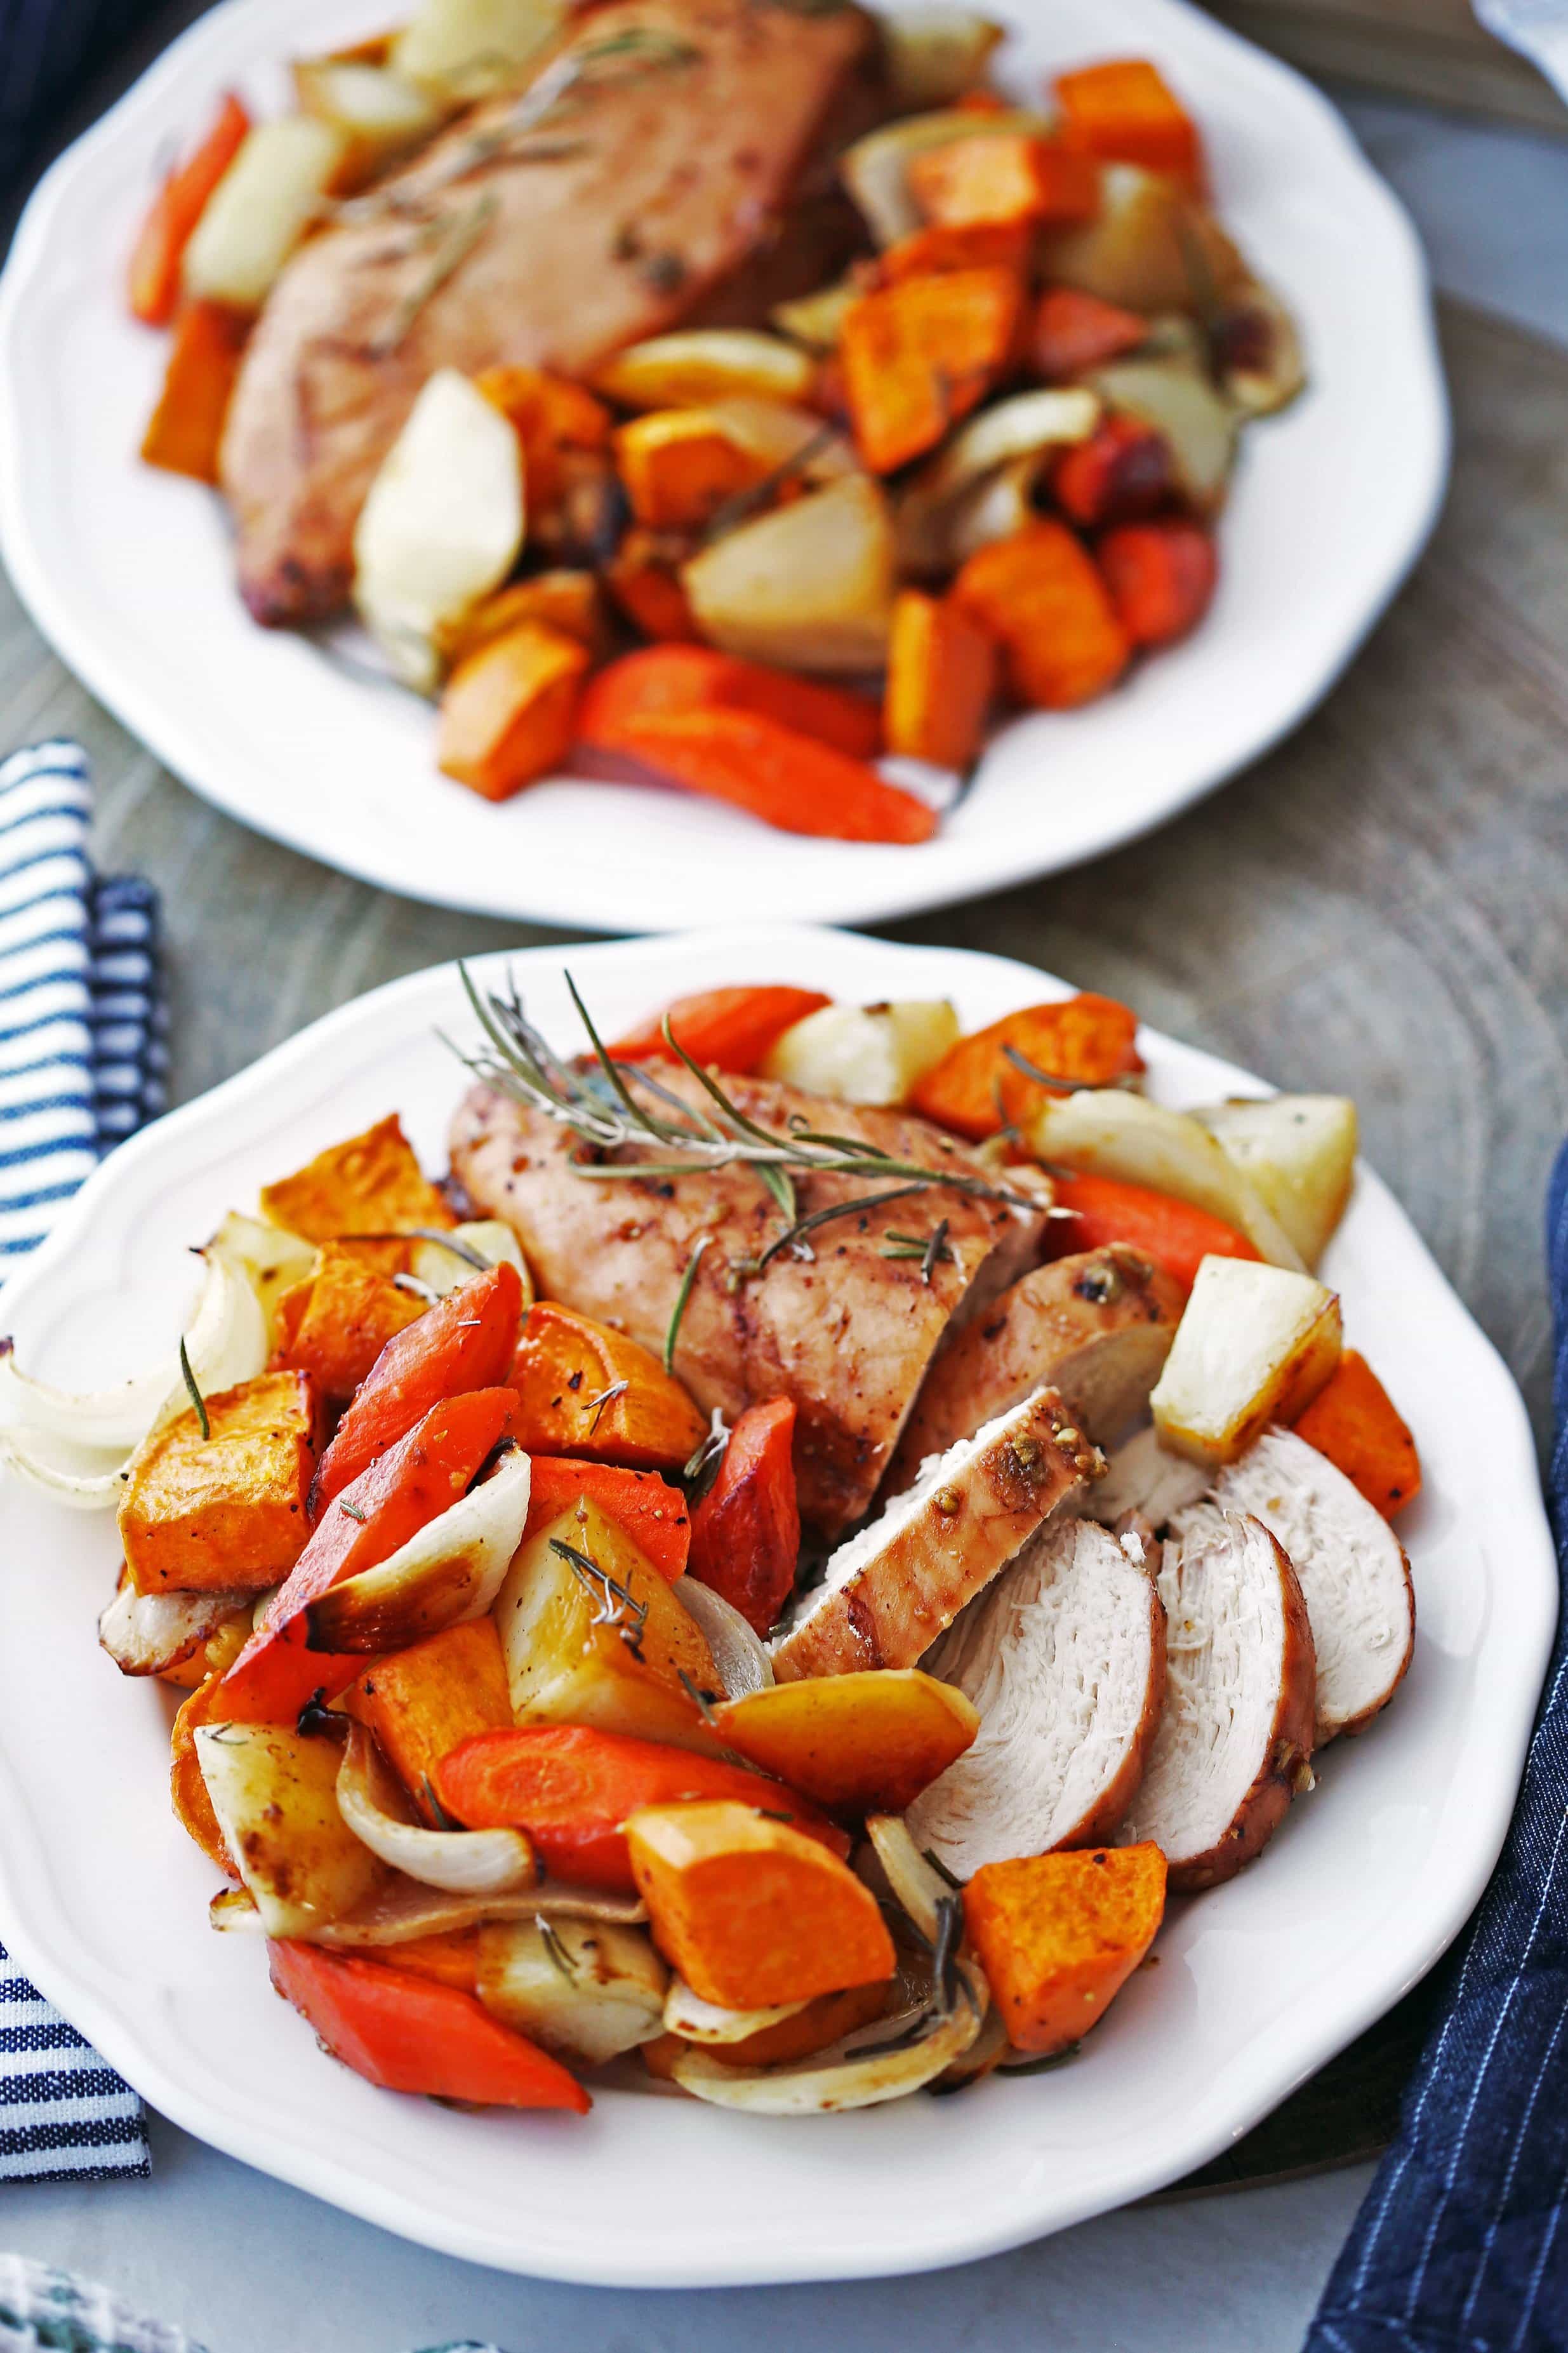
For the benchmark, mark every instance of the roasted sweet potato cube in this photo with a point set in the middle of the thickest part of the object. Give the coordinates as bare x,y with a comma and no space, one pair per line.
921,354
642,578
563,599
751,1912
371,1184
1059,1935
1005,176
509,712
679,465
585,1389
941,673
347,1312
226,1511
976,245
860,1744
422,1701
1123,112
1040,593
551,416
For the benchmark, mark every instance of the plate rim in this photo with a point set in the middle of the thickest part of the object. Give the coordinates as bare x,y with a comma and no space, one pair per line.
970,866
33,1913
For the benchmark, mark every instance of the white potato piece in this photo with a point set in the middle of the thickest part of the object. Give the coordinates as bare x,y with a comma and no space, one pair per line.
864,1053
1199,426
585,1989
704,365
442,1266
380,114
809,586
1255,1344
817,320
260,209
1297,1153
876,169
275,1793
1150,246
442,524
463,48
1108,1132
934,55
778,433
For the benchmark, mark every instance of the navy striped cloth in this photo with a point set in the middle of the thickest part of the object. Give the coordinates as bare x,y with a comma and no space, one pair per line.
1462,2241
45,2311
82,1063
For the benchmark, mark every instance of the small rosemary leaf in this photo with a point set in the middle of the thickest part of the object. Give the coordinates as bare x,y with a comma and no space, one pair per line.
705,1080
610,1068
703,1704
781,1186
203,1423
803,1226
1057,1084
353,1512
941,1868
682,1297
603,1397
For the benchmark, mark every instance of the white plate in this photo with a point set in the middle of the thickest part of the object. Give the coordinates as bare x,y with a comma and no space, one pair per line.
129,571
103,1900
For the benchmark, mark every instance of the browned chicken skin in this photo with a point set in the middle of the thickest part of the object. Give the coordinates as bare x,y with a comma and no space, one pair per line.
848,1333
667,164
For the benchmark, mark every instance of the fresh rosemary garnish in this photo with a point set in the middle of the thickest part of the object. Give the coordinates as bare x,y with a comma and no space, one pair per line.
596,1404
458,238
555,1949
681,1296
704,1705
444,1821
701,1466
932,1250
416,1288
743,504
942,1869
202,1422
618,1605
465,1251
1048,1077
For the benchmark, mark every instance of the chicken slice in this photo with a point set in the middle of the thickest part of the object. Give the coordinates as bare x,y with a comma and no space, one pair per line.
1354,1577
1234,1740
1097,1327
1145,1478
847,1333
889,1592
1064,1655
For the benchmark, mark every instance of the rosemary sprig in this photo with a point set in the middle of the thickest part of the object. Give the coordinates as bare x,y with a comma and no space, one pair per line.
931,1249
1057,1084
681,1296
202,1420
701,1468
458,240
795,1238
602,1397
618,1606
555,1951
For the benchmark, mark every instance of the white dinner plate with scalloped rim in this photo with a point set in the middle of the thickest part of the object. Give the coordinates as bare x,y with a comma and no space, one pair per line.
129,571
104,1901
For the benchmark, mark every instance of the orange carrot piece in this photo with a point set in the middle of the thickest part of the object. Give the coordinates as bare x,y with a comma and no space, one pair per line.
787,779
642,578
549,414
1124,112
348,1312
1059,1935
508,712
745,1533
1104,1210
185,432
1073,332
1003,177
1041,593
942,674
671,681
160,247
411,2034
727,1028
918,355
749,1910
1121,473
464,1342
427,1700
977,245
1161,576
572,1787
585,1389
679,466
652,1513
403,1489
975,1089
1355,1422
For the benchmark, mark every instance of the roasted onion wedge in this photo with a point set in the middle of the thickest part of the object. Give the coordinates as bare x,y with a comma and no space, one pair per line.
450,1571
463,1862
153,1633
696,2021
402,1909
743,1662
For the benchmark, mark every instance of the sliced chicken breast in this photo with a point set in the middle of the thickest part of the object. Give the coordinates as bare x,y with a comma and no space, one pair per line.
668,162
1064,1655
895,1587
1097,1327
1144,1477
1235,1741
1354,1577
847,1333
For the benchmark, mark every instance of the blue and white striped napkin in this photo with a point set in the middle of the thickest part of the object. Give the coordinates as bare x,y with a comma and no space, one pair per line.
82,1063
45,2311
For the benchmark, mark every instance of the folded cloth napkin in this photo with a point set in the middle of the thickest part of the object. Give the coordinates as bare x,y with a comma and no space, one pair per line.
82,1063
44,2311
1463,2239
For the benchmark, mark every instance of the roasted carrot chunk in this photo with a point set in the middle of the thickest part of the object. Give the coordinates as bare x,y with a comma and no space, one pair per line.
335,1324
789,780
1059,1935
160,247
1003,177
752,1911
1124,112
642,578
669,682
651,1512
451,1958
1104,1210
681,465
941,673
975,244
585,1389
1073,332
745,1533
564,599
572,1787
427,1700
186,430
1122,471
724,1028
1161,576
918,355
976,1088
370,1184
1040,594
1355,1422
223,1508
509,712
411,2034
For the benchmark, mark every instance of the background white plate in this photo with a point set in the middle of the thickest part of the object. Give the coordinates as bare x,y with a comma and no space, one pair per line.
129,571
103,1900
